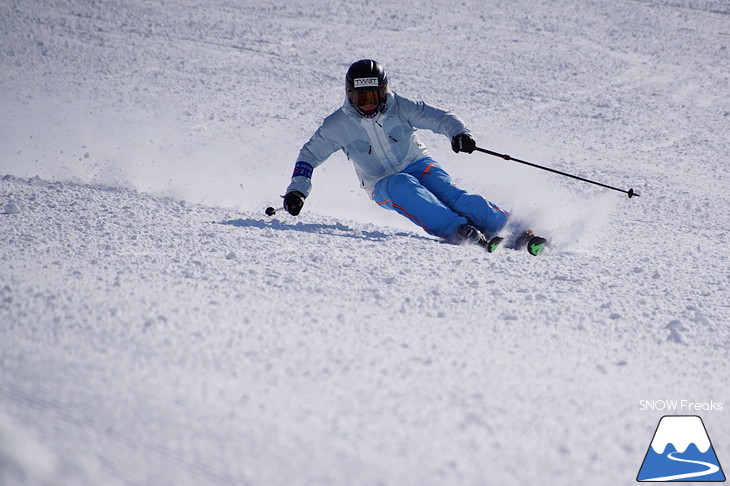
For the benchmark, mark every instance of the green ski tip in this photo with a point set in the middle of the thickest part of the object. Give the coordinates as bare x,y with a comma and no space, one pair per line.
536,245
494,244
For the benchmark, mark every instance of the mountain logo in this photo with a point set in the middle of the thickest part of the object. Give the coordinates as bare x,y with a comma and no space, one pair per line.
680,451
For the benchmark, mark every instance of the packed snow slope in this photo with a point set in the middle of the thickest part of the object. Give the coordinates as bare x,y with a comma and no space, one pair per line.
156,328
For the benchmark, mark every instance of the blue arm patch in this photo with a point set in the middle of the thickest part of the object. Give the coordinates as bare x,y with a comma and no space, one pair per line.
303,169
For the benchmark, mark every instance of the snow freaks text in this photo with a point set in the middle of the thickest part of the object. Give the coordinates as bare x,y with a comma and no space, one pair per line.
681,406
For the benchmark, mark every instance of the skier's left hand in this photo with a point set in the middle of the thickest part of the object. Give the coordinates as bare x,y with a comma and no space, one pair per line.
463,143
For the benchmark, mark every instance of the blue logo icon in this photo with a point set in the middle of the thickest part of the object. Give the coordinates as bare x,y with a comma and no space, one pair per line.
680,451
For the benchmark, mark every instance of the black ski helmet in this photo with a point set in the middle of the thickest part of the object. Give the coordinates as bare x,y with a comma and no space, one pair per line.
366,84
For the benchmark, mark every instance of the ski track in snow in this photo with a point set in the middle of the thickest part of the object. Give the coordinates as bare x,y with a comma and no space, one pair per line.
157,328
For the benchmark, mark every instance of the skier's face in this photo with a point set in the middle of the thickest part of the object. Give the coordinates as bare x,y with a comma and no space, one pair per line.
367,100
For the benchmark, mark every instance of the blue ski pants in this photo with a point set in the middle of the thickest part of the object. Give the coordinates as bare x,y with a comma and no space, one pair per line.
425,194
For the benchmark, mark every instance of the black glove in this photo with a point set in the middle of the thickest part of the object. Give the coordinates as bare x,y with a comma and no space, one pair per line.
294,202
463,143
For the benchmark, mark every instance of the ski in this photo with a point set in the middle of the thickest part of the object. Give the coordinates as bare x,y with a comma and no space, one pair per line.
536,245
493,244
526,240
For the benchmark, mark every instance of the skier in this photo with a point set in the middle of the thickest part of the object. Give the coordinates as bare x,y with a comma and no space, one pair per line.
375,128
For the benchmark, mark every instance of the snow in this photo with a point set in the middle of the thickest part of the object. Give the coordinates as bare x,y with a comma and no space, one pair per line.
681,432
156,328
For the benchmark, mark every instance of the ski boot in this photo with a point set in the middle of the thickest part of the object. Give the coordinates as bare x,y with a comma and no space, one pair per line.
469,234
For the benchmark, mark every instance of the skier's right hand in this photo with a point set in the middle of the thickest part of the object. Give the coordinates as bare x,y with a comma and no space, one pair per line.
294,202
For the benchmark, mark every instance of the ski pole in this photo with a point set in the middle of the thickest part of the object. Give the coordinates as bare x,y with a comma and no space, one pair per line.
270,211
630,192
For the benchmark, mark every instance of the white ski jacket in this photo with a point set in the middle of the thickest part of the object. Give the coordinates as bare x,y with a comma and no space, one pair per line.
379,146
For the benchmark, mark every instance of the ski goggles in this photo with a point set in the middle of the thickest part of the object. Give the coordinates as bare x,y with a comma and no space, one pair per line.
367,97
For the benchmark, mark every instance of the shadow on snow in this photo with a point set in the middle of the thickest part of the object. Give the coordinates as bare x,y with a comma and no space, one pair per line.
336,229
